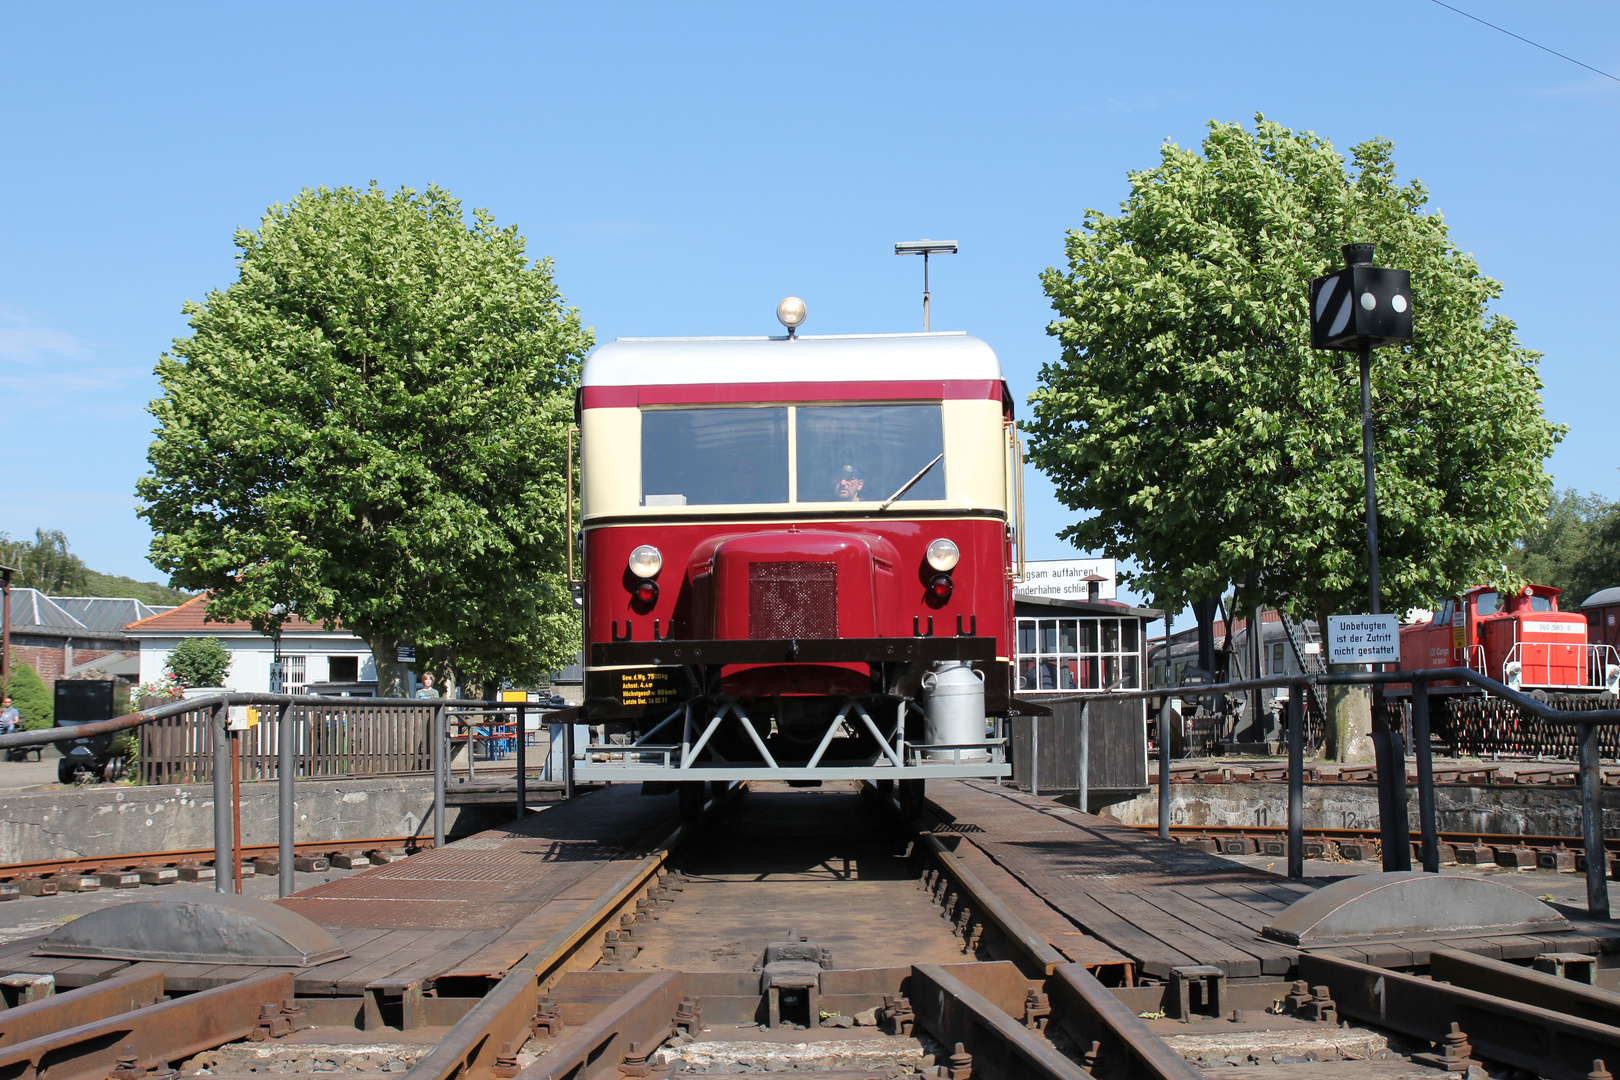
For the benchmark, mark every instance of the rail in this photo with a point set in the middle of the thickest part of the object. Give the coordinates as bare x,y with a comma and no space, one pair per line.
1391,762
1599,667
226,778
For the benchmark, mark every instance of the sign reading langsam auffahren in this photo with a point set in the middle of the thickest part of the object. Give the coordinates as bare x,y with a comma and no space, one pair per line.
1364,639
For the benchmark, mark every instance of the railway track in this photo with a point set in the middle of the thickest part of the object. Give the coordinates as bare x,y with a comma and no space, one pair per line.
157,868
815,932
1562,854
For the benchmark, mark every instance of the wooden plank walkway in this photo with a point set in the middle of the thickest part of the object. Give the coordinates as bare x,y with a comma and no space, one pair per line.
470,909
1165,905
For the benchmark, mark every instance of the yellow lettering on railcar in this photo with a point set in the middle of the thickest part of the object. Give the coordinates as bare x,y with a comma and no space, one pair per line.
648,688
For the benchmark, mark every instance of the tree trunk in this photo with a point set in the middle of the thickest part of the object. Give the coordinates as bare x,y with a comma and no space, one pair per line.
393,677
1347,727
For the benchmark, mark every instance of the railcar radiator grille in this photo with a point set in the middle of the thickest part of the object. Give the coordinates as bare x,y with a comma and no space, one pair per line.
792,600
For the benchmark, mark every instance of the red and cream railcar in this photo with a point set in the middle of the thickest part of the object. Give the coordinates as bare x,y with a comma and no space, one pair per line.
799,557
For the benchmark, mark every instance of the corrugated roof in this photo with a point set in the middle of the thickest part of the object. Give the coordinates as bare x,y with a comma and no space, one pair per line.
32,612
1603,598
104,612
188,618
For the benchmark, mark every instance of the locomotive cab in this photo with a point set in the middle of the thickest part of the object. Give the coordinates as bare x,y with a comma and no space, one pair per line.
799,556
1521,639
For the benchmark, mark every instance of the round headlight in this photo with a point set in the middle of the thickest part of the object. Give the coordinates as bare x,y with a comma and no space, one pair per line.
942,555
791,313
646,561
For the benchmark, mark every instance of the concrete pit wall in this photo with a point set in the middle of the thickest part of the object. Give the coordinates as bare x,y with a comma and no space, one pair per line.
1518,810
106,822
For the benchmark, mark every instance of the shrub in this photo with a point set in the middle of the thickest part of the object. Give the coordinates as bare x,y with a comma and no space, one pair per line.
200,662
32,697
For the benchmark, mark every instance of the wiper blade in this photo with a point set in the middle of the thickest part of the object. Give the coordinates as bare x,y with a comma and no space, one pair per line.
905,487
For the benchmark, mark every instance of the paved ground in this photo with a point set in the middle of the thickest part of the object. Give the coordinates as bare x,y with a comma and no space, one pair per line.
30,775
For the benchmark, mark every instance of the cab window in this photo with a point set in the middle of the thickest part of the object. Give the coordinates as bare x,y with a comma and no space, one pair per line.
1540,603
709,457
864,453
1487,603
1443,616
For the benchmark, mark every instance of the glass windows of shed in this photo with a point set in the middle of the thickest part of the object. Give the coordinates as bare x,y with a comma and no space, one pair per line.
296,674
1079,654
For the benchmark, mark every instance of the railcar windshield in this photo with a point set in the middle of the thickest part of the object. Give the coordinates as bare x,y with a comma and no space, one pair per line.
845,453
863,453
706,457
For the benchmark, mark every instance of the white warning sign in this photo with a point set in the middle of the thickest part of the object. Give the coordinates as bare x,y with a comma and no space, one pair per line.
1364,639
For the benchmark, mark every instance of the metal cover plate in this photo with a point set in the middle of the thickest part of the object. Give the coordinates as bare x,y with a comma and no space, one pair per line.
216,928
1386,907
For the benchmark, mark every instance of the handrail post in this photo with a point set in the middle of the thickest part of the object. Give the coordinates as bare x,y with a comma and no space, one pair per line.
438,737
522,763
1597,858
1296,782
286,794
1085,759
1425,772
224,872
568,760
1395,831
1164,769
1035,757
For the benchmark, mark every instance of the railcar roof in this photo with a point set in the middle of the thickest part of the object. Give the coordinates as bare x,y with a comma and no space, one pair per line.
808,358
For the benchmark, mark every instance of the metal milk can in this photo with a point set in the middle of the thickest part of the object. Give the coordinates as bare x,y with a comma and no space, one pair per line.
953,710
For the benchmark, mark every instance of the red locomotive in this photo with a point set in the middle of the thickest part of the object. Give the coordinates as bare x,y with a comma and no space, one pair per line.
1522,640
799,557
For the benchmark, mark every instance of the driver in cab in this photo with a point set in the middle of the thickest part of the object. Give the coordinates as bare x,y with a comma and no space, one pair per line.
847,484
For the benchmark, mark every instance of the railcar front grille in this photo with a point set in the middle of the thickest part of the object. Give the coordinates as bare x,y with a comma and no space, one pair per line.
792,600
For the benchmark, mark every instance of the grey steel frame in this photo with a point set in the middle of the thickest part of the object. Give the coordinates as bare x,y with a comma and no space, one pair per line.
677,761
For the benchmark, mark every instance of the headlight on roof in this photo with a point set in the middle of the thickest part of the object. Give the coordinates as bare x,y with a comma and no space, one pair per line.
646,561
943,555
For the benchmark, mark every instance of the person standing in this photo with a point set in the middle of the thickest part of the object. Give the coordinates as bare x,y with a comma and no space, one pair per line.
427,689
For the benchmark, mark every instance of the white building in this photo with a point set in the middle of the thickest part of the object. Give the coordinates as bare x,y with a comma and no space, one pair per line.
312,655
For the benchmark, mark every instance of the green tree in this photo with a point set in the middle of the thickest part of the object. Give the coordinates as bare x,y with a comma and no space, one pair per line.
199,662
45,563
33,699
1190,420
1574,547
368,428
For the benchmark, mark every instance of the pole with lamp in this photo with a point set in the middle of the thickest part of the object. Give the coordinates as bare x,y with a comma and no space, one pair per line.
925,248
1358,309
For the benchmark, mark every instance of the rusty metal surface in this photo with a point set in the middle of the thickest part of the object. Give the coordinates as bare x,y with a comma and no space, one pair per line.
85,1005
1547,1043
158,1034
1523,985
954,1012
1091,1013
1032,950
641,1020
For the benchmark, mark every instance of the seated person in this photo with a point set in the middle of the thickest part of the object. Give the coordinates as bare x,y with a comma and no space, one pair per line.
848,483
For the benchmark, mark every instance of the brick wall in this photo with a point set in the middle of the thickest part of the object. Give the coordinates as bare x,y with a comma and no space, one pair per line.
45,661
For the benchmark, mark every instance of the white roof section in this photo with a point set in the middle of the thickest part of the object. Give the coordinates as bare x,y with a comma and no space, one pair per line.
828,358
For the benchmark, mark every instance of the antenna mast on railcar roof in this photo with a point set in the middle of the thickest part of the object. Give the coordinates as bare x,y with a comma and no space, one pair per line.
925,248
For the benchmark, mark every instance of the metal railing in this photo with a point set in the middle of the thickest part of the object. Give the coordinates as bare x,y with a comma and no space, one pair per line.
225,778
1593,667
1391,762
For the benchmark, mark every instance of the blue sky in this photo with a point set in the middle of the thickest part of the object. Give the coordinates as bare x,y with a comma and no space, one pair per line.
688,165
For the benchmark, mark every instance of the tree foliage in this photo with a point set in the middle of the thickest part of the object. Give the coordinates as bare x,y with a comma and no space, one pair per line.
45,563
1189,414
368,428
33,699
1574,547
203,661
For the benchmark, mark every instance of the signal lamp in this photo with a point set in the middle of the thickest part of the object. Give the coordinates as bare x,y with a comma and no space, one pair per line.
939,587
647,592
943,555
646,561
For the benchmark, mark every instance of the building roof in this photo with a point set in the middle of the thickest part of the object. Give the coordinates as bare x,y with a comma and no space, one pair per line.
104,612
189,618
1088,607
1603,598
812,358
32,612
